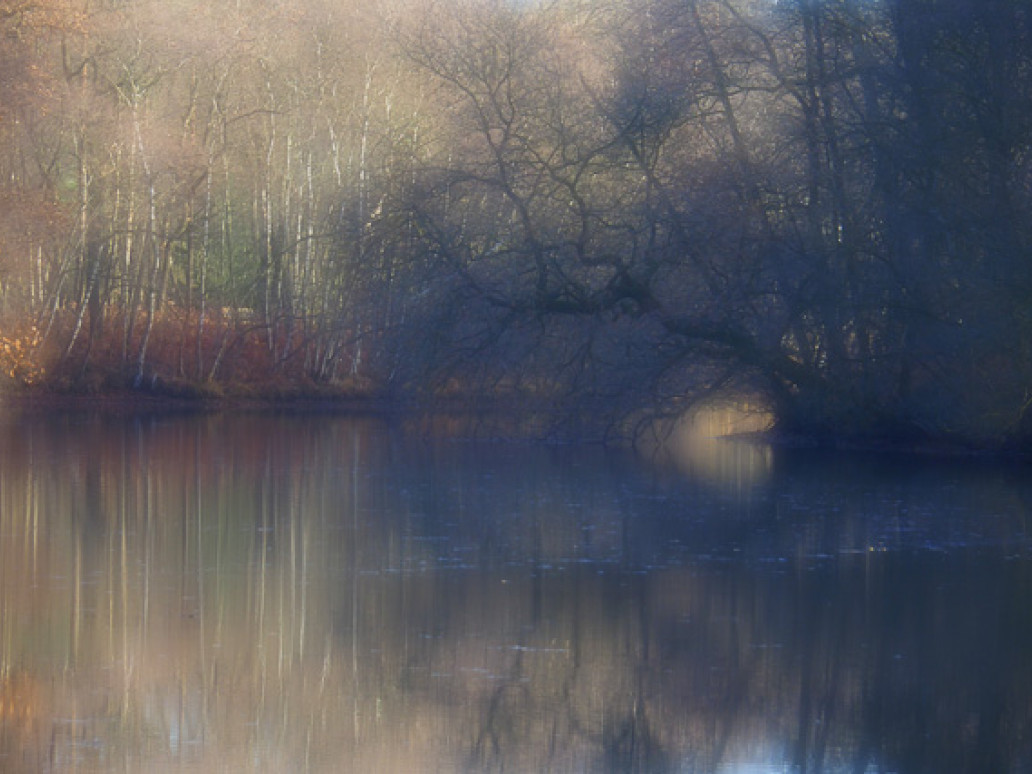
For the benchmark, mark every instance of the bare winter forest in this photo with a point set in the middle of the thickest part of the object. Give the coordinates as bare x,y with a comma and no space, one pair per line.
605,209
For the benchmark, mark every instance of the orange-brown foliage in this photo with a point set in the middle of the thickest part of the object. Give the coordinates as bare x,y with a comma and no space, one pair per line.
19,355
181,355
24,23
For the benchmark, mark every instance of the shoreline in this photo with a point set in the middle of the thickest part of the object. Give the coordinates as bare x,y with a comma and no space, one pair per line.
128,402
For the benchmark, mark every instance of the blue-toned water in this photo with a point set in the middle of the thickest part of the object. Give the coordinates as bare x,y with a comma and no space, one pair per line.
251,592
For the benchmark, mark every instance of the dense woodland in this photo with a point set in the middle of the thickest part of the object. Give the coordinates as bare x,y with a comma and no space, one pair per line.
602,208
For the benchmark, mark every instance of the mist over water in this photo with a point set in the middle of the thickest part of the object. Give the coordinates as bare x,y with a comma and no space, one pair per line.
318,593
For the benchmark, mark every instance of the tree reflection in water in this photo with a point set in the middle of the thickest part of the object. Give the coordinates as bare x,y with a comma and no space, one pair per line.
320,594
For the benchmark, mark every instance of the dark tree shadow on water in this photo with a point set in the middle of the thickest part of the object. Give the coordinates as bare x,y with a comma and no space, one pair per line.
498,741
630,746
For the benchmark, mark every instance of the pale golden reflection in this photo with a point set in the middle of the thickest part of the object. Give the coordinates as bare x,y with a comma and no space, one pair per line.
707,443
256,593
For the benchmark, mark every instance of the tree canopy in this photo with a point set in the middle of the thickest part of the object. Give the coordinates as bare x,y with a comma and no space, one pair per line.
603,210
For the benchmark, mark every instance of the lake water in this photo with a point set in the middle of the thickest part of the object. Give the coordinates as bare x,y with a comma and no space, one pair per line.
318,593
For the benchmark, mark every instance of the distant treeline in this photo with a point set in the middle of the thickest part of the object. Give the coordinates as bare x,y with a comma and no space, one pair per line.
602,208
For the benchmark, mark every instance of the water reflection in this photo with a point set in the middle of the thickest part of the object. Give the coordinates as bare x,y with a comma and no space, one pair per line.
706,444
315,594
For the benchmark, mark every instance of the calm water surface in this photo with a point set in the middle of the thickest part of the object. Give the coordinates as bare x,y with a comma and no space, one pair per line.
294,594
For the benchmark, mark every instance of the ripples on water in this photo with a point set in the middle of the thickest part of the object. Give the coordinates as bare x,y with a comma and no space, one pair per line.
265,593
